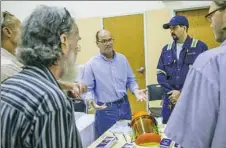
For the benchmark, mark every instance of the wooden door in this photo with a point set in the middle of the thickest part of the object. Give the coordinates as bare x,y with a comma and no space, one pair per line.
128,34
199,26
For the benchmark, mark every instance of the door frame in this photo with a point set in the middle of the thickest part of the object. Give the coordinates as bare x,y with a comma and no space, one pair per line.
145,43
175,10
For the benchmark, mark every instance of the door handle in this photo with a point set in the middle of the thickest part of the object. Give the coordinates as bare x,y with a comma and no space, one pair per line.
140,70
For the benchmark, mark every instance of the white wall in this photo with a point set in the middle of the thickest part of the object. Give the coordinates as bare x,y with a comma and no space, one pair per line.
85,9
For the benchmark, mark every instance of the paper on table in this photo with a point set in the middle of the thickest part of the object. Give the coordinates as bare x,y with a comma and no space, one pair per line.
121,126
78,115
84,121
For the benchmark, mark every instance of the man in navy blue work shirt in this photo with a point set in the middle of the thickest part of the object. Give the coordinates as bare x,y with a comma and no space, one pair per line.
108,75
175,60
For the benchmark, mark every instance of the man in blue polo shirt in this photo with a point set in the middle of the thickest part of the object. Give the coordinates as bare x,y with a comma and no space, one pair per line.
175,60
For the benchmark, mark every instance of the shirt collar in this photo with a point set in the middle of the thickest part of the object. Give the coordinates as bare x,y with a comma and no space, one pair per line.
103,57
186,44
4,52
7,55
42,72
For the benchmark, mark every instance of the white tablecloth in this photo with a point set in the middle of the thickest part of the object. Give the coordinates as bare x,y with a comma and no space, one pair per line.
120,128
85,125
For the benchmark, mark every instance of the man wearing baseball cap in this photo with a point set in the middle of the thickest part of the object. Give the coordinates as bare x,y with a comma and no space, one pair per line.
175,60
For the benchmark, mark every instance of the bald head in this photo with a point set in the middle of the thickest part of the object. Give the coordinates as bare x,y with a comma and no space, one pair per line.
104,41
10,31
102,32
9,20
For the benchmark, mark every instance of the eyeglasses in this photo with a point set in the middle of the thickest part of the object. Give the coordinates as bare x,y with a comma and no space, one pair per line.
210,15
106,41
5,14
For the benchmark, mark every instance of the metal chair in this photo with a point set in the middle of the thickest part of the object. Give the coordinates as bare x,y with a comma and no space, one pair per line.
79,103
155,93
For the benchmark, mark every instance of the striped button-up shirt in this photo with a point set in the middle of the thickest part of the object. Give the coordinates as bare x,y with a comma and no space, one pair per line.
35,113
198,120
9,64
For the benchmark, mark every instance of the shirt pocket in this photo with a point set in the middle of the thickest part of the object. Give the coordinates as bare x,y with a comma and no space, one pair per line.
168,58
120,74
121,77
190,58
168,63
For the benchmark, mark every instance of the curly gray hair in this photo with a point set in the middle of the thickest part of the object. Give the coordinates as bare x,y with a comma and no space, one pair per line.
40,38
220,3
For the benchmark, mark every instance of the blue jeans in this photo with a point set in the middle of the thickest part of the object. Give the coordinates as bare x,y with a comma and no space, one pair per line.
105,119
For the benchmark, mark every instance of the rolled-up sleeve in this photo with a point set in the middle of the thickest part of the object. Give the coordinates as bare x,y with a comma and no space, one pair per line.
87,78
193,120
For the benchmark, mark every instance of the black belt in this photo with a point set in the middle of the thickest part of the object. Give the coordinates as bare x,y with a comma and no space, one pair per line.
122,100
118,101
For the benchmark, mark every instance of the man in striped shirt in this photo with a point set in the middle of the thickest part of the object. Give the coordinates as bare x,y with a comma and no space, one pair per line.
10,28
35,113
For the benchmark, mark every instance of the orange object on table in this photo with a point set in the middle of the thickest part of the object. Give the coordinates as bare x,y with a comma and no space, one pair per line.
145,129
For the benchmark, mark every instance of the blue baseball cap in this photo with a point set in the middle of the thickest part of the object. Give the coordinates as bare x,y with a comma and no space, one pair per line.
177,20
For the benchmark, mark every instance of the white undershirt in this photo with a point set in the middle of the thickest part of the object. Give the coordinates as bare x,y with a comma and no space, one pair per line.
179,48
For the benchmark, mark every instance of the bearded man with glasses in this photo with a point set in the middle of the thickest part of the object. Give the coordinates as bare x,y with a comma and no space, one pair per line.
198,120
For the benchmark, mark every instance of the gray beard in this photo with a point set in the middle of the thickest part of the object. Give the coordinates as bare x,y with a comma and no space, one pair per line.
70,72
69,75
69,68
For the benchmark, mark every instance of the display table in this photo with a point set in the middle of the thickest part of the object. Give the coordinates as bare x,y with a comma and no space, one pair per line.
85,125
123,132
